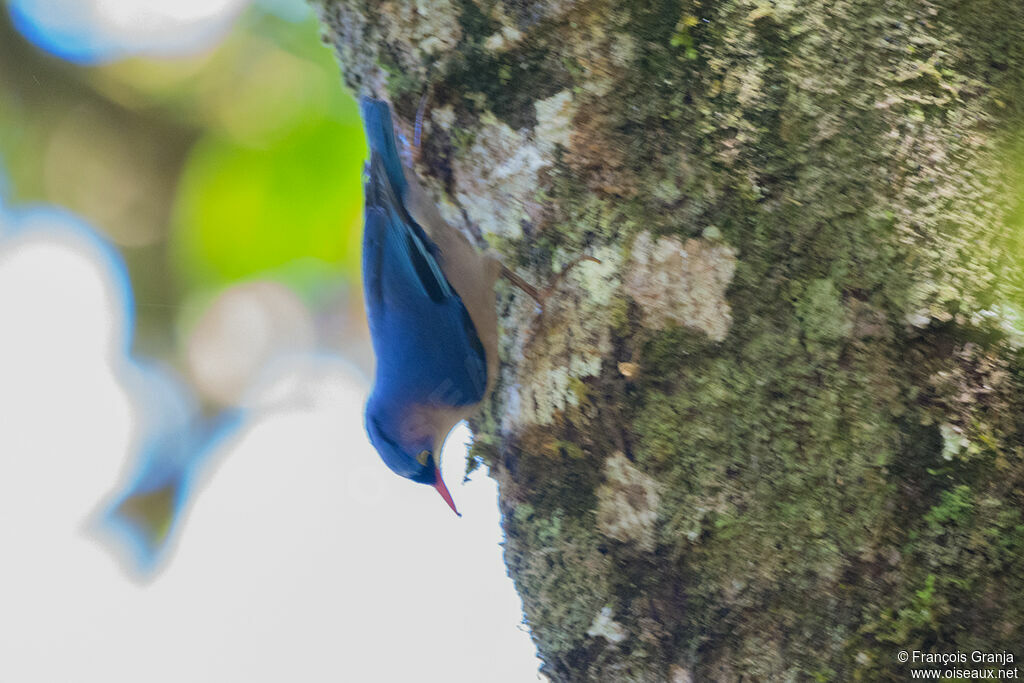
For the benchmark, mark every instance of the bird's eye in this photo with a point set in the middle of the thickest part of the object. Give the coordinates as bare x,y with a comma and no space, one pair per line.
423,458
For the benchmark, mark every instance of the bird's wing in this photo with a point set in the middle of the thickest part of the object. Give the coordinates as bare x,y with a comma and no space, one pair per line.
397,255
386,188
429,341
421,328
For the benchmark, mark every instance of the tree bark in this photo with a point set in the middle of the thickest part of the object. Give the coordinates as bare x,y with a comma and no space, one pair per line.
778,432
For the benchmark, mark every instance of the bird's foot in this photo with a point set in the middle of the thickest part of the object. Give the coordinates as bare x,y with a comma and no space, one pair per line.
540,296
411,151
522,284
417,131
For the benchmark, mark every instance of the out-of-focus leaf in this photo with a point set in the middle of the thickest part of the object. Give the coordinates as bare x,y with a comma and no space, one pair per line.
256,83
242,211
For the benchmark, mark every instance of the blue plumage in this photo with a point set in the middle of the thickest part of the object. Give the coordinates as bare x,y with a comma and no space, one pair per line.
432,367
426,346
380,135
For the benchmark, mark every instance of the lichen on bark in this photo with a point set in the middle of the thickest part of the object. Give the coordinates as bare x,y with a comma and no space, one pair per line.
778,433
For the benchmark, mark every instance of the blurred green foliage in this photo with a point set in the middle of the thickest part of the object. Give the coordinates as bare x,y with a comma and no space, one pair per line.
242,162
274,182
245,210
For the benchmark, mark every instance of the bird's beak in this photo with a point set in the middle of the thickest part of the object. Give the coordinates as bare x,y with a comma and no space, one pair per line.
443,490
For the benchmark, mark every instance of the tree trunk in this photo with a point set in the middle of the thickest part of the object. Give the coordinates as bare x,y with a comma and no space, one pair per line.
778,432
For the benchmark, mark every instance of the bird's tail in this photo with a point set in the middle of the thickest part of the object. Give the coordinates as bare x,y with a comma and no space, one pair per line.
380,134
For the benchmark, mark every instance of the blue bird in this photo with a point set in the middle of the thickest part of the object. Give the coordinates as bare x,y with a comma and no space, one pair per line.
174,442
430,304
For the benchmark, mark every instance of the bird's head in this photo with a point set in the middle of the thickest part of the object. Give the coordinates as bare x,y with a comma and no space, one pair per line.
409,448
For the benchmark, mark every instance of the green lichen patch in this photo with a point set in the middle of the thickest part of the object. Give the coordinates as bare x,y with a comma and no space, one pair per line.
606,627
682,284
554,121
822,315
556,557
496,177
627,503
561,345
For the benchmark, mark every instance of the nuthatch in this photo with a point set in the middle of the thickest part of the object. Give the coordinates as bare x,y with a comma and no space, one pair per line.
431,309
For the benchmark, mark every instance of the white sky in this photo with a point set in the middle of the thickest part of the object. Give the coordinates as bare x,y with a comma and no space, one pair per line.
303,558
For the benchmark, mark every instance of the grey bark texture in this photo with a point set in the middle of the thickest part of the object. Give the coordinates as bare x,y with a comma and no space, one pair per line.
778,432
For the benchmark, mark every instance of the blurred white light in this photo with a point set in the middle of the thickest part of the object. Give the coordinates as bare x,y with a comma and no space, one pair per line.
161,14
100,30
304,558
242,330
154,26
83,273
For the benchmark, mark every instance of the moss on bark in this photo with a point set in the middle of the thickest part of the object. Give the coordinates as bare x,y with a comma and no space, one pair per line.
778,433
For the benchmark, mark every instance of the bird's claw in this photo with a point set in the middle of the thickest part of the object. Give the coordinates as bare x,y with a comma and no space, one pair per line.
540,296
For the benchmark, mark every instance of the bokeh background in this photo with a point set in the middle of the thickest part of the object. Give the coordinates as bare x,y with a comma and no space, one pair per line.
180,219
